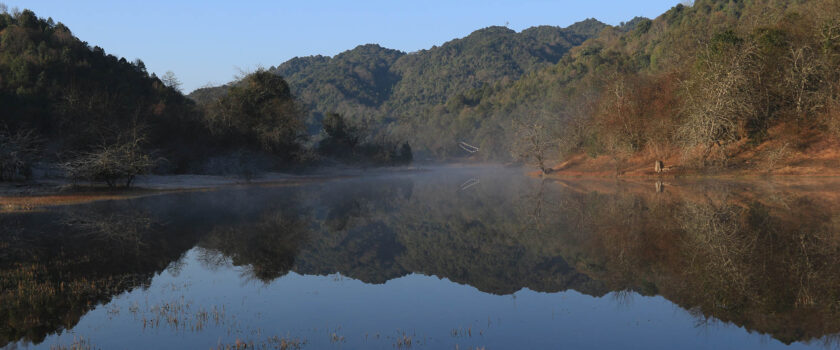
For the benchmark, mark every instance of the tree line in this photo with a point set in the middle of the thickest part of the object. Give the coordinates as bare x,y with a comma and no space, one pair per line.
73,109
702,83
401,92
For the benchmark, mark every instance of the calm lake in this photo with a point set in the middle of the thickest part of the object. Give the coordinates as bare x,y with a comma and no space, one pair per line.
445,258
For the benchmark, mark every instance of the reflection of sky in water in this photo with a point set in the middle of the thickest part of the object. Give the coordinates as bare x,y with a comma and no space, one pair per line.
489,230
428,309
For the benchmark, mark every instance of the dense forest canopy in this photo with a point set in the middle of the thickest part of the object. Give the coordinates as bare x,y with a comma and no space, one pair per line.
103,118
701,85
383,87
75,96
65,102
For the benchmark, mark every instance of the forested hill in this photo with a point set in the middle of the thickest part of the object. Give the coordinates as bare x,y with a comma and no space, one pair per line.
354,83
71,109
716,84
60,96
751,86
486,56
378,84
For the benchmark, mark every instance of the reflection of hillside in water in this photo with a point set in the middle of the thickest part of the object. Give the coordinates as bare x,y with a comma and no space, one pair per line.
762,258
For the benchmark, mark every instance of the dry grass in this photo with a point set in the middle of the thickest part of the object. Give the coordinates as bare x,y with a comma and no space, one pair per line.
274,342
79,343
178,315
11,201
786,151
32,203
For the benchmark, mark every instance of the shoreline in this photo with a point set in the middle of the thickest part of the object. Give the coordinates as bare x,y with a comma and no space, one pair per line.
43,193
560,175
825,163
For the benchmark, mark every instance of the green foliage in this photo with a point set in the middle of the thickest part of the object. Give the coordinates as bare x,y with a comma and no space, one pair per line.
776,60
260,113
371,84
75,97
208,94
642,27
766,57
723,41
345,141
354,83
78,98
486,56
337,129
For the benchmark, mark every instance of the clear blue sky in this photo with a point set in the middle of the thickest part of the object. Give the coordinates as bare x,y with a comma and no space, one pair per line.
209,41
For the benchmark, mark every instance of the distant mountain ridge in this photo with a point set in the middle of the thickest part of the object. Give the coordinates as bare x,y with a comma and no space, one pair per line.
648,87
378,84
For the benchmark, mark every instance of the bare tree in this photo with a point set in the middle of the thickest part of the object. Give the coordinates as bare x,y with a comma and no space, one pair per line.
718,99
802,79
18,151
111,163
534,143
620,125
169,79
619,114
826,15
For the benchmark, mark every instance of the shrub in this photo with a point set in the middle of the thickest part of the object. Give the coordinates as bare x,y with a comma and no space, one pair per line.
17,153
111,164
347,141
259,113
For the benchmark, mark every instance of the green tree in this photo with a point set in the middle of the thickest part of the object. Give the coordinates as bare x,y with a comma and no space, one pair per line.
260,112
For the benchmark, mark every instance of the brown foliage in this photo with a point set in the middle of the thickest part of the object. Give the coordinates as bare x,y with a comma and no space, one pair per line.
636,111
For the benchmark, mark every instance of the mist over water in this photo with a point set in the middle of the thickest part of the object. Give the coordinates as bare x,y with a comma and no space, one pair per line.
449,257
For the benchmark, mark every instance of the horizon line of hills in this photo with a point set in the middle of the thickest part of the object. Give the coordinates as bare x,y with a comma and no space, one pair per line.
69,102
297,64
378,70
374,85
699,85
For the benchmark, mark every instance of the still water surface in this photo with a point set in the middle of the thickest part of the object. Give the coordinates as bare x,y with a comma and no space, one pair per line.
451,258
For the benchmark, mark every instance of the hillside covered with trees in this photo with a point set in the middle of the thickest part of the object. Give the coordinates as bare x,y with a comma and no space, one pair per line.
65,96
396,92
750,86
744,86
714,85
72,109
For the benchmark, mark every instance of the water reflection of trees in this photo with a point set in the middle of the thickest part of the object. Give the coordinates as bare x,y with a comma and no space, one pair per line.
764,260
752,261
377,231
267,247
56,265
59,265
352,234
485,238
732,254
370,230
